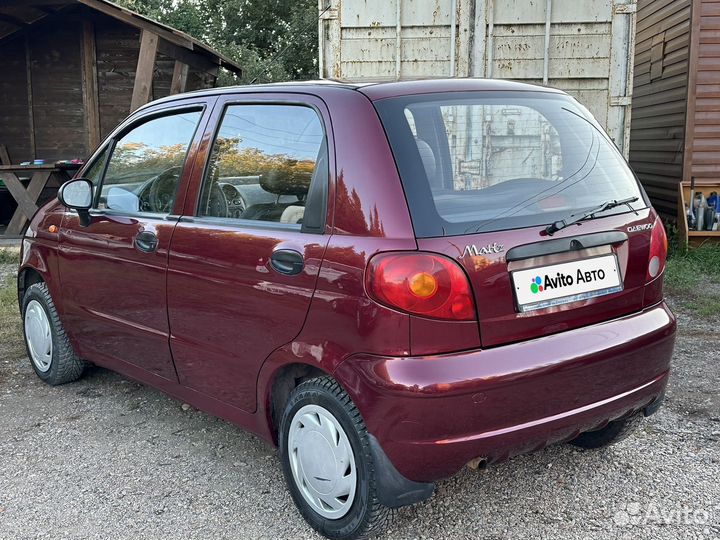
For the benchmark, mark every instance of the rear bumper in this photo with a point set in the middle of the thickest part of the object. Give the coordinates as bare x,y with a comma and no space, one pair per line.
432,415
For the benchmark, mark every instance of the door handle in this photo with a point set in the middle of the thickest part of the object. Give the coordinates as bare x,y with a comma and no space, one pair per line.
146,241
287,261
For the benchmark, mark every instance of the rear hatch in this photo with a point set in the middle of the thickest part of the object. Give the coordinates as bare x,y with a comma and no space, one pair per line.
532,296
486,174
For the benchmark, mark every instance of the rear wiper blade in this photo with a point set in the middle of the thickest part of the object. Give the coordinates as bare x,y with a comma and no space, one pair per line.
577,218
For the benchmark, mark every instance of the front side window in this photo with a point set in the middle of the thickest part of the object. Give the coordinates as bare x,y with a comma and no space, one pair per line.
94,172
266,163
485,161
144,170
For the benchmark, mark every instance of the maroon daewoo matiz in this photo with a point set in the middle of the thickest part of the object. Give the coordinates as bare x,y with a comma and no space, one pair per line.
389,281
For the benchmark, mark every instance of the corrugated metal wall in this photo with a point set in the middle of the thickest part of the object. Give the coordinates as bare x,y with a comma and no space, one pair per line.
704,134
660,98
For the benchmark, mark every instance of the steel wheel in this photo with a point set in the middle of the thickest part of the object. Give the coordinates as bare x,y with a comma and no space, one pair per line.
322,461
39,335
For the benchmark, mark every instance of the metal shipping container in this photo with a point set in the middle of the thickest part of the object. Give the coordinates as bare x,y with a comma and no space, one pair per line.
585,47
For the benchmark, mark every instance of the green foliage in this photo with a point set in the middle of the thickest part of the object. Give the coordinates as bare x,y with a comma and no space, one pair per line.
272,40
688,269
693,277
233,161
9,256
10,328
131,157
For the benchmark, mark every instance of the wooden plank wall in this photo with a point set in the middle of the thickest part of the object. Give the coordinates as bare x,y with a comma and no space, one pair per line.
164,66
704,161
117,46
44,84
198,80
57,97
660,98
14,117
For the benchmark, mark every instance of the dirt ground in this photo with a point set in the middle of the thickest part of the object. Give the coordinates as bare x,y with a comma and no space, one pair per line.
106,457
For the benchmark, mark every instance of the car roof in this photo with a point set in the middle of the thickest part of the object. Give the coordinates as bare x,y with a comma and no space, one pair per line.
403,88
373,90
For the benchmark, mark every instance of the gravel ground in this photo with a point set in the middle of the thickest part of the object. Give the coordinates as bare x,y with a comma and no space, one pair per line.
108,458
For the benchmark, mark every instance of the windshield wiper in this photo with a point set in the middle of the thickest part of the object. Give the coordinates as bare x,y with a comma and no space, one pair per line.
577,218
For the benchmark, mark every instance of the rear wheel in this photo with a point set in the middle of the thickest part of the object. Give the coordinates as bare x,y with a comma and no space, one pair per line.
328,464
614,432
51,355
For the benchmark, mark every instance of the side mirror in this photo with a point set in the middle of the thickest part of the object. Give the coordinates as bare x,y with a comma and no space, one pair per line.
77,195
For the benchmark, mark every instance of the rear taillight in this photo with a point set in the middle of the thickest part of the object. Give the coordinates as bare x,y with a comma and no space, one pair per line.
423,284
658,250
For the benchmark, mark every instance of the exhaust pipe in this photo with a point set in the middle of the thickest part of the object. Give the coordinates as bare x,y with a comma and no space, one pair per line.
479,463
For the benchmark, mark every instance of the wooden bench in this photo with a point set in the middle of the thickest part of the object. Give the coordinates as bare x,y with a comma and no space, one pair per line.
41,176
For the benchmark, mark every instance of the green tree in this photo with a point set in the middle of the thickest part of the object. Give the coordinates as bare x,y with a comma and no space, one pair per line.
272,40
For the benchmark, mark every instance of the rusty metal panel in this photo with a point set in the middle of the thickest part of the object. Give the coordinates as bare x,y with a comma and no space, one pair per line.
584,47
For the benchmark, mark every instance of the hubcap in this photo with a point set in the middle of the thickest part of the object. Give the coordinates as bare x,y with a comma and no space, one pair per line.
38,335
322,461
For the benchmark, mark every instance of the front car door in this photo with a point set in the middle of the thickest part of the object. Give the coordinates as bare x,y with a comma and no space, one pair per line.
245,258
113,271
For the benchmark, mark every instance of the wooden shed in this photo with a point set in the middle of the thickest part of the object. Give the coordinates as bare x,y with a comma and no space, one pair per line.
73,69
675,132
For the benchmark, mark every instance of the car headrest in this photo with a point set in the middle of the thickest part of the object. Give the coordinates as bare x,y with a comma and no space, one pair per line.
293,214
282,182
428,158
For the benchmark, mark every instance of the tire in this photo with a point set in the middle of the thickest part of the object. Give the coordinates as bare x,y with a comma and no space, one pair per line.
614,432
49,350
318,403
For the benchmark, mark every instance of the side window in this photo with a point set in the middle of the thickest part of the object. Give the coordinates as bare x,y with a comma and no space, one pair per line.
146,164
268,163
94,173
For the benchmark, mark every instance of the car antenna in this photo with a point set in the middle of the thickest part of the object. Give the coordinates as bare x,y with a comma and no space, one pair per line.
275,58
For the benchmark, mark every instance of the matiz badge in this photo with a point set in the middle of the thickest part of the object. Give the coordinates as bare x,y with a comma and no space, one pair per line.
473,251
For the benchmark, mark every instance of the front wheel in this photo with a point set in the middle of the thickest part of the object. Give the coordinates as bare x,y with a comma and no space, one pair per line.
328,463
51,355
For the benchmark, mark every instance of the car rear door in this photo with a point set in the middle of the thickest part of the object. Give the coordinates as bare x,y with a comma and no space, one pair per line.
509,307
245,255
113,271
486,173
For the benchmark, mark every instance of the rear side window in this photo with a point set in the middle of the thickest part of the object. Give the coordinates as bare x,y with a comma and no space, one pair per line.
268,163
484,161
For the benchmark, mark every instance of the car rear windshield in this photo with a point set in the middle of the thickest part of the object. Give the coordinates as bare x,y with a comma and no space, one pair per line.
489,161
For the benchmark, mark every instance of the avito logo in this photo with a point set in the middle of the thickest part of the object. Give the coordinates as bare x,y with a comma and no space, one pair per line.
536,285
565,280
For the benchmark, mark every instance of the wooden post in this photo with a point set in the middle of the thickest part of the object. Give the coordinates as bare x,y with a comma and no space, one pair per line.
90,86
694,53
31,114
4,155
179,78
144,72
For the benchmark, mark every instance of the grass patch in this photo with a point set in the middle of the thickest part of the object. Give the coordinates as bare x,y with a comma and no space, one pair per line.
9,255
11,341
687,270
693,277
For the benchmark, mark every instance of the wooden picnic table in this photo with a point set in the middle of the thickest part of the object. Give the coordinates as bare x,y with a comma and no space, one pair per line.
41,176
